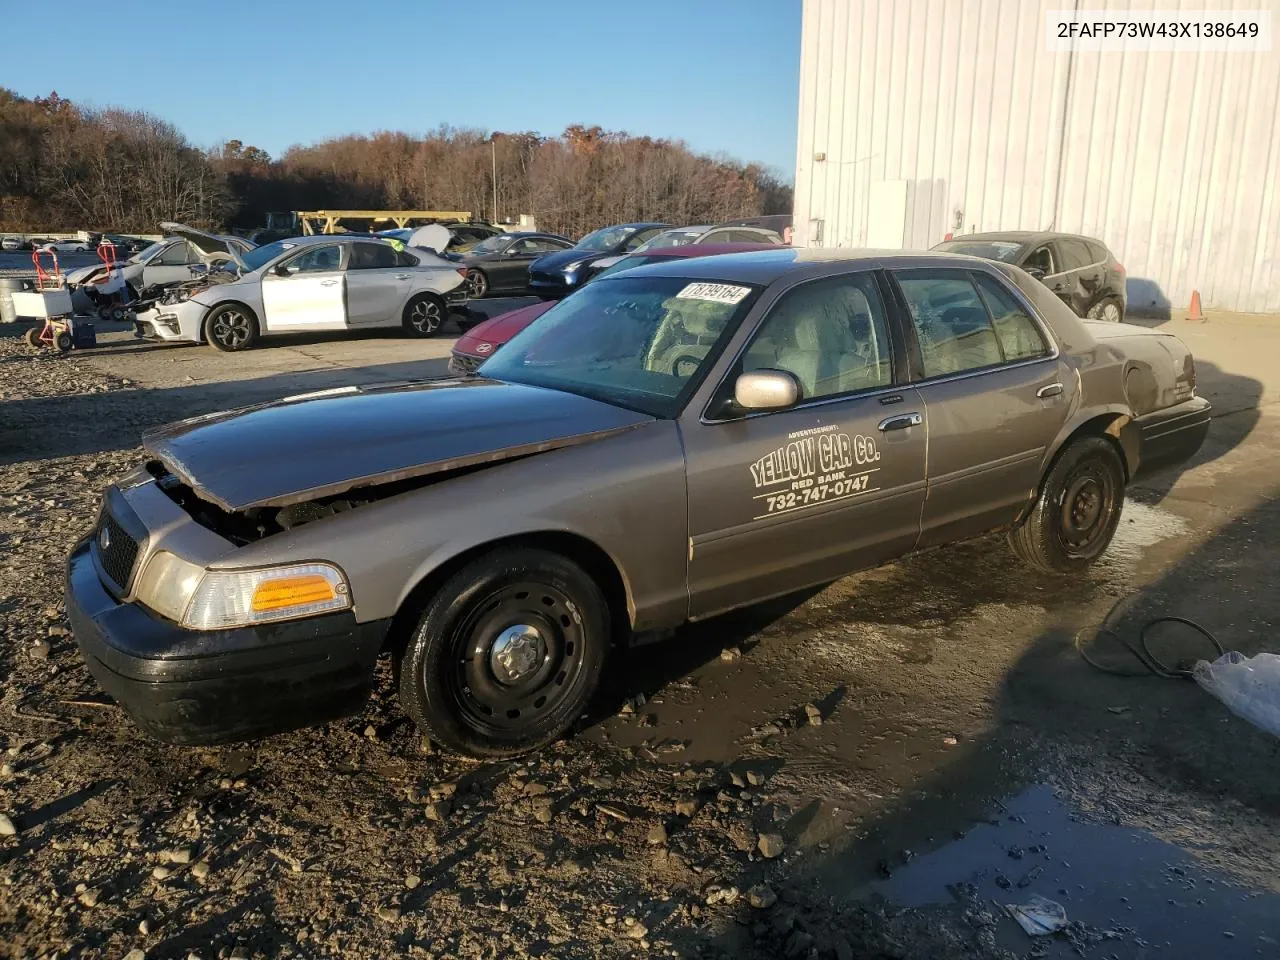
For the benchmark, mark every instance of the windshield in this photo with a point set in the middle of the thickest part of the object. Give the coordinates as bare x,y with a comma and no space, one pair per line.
636,342
672,238
259,256
491,245
1005,250
606,238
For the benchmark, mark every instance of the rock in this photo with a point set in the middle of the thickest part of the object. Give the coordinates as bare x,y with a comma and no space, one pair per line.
628,710
543,812
179,855
412,881
770,845
756,778
6,769
717,894
58,631
443,791
736,779
162,873
89,898
687,807
136,954
439,810
657,835
7,828
388,914
602,782
200,870
761,896
949,741
636,930
814,715
144,927
730,654
39,650
424,747
238,953
371,732
535,789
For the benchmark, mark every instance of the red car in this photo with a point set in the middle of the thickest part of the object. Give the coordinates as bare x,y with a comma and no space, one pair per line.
481,342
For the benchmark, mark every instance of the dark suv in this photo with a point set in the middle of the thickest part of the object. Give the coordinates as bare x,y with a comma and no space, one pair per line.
1080,270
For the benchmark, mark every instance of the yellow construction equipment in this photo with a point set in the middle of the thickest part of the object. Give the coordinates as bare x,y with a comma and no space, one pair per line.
330,218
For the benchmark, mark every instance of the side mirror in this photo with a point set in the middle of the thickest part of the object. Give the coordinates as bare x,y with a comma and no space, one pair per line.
766,390
1037,272
282,270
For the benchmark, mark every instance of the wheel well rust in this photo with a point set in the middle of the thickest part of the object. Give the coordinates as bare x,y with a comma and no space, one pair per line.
594,561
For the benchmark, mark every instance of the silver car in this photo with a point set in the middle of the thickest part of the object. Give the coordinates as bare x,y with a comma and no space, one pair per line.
666,444
307,284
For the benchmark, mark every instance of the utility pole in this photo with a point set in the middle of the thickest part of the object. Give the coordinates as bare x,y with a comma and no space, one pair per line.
493,151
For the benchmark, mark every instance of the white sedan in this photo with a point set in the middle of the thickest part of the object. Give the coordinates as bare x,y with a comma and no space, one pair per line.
66,246
306,284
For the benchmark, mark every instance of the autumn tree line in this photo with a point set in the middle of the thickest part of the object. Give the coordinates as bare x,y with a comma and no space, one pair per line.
64,167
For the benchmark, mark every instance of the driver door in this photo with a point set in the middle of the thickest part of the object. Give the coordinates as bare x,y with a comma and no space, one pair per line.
784,499
170,265
307,291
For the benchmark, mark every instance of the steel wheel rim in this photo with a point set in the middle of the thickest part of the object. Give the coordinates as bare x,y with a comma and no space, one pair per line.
1088,501
425,316
231,329
515,656
476,281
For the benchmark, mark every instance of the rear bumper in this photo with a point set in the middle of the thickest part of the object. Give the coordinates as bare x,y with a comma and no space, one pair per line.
1172,436
201,687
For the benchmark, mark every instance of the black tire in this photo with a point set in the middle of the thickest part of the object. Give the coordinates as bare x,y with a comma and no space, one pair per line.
554,622
1076,515
63,342
32,336
231,327
1109,309
424,315
477,284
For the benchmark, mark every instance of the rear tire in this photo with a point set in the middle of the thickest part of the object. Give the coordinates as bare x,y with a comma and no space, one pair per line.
1107,309
506,655
477,284
424,315
32,336
1076,515
63,342
231,327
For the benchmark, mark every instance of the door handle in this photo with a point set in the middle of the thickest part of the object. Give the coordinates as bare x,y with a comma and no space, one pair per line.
1049,390
402,276
328,283
900,422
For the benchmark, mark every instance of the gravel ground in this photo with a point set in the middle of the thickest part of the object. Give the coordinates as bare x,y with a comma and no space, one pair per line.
749,789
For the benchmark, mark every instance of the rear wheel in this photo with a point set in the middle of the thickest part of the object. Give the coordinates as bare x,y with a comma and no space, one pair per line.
1107,309
231,327
32,336
63,342
506,654
424,315
1076,515
477,284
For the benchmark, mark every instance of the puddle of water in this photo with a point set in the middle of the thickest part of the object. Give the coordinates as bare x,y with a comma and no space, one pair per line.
1157,898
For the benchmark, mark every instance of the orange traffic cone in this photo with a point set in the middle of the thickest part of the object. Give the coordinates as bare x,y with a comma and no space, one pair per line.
1195,314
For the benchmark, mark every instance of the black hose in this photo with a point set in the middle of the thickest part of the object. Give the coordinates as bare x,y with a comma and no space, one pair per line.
1142,650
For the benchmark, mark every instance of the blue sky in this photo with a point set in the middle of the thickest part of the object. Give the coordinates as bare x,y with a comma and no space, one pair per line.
721,75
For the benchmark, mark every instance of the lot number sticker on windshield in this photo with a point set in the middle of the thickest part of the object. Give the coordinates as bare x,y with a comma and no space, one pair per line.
716,292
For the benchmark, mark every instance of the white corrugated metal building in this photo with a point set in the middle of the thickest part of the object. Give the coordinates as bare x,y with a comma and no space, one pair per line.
931,116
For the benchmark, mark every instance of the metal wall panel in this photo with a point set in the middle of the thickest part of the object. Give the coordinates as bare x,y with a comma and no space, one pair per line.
1171,158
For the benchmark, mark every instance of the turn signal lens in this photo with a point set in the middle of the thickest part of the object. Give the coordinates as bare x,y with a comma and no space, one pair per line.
239,598
291,592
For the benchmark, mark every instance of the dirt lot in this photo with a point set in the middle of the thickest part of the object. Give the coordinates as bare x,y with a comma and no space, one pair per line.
865,771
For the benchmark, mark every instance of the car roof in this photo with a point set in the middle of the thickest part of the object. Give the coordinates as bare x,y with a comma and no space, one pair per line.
534,233
767,265
689,250
1025,237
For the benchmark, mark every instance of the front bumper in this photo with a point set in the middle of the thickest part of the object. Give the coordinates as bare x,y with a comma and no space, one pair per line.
552,286
177,321
1173,435
218,686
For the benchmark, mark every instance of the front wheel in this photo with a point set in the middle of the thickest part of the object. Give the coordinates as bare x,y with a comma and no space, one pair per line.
230,327
1107,309
424,315
506,654
1078,510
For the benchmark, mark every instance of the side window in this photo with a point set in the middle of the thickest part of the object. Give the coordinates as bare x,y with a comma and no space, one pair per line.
829,334
1041,259
406,259
371,256
317,260
642,236
521,247
952,325
1020,338
177,255
1097,252
1074,255
545,245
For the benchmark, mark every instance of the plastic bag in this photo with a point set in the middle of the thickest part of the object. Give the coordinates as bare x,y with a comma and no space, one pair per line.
1039,916
1249,686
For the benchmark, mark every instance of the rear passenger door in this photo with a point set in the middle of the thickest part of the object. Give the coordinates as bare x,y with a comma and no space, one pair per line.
783,499
377,286
1079,278
995,394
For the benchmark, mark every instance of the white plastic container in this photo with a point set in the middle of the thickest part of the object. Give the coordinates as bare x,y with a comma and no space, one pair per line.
42,303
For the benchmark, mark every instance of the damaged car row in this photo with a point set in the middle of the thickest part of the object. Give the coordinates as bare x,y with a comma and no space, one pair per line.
672,441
